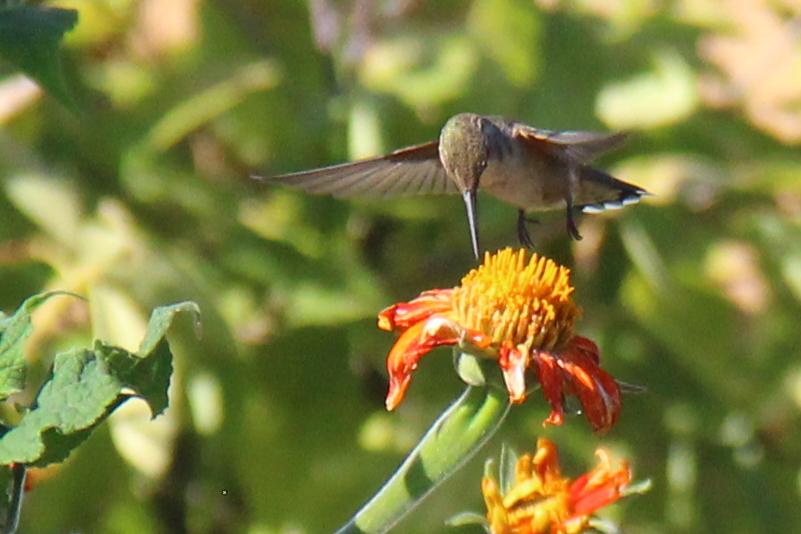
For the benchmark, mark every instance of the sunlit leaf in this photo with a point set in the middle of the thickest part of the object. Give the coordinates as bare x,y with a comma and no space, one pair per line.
421,71
14,330
791,269
52,203
210,102
665,95
115,317
509,31
364,130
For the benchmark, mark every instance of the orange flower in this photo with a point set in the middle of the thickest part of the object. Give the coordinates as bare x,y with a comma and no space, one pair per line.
515,309
541,500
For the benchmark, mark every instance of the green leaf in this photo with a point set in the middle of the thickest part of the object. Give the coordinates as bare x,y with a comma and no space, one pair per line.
14,331
148,377
638,488
509,33
469,368
506,471
209,103
665,95
86,385
422,70
161,320
30,37
51,202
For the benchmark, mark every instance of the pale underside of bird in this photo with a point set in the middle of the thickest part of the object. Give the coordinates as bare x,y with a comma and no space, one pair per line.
530,168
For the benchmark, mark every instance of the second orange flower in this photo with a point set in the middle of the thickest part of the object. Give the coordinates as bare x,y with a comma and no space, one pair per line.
515,308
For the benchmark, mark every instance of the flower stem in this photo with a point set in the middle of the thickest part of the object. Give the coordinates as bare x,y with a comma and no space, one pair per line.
11,521
453,439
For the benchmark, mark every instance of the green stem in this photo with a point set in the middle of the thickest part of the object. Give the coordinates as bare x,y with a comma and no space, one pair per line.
452,440
11,522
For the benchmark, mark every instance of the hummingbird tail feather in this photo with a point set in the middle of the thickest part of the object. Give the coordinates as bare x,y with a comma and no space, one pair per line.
604,192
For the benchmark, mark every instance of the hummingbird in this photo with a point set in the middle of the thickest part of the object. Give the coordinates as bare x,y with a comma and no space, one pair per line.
530,168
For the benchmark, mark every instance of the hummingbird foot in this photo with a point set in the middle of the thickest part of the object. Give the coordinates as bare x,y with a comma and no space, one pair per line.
522,230
572,230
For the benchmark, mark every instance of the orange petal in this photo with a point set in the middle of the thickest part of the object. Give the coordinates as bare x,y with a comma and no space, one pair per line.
497,516
476,338
577,370
599,487
513,363
597,391
588,347
552,382
546,461
414,343
405,314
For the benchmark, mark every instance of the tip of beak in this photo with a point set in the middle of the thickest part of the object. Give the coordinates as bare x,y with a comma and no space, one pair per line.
469,197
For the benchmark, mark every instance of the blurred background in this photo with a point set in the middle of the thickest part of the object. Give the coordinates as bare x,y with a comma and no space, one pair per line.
276,422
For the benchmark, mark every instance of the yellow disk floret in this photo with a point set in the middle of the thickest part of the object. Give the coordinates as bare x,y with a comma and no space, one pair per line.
517,298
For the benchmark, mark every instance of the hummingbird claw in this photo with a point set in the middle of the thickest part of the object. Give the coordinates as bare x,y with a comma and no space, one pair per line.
522,231
572,230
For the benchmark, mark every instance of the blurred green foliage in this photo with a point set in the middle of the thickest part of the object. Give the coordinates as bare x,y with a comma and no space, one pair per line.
83,387
29,38
141,197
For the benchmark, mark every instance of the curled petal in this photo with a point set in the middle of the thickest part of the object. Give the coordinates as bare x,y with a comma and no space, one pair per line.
552,382
414,343
405,314
496,511
546,463
597,391
587,347
599,487
513,362
576,369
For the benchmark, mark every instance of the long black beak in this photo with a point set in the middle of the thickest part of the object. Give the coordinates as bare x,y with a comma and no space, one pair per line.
470,196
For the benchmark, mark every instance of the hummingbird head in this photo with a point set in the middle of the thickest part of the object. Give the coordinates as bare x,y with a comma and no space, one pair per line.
463,150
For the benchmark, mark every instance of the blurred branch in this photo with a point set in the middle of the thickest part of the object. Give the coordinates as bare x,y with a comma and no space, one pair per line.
208,104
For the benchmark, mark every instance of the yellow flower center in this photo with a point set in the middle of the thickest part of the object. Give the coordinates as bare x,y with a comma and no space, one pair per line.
515,298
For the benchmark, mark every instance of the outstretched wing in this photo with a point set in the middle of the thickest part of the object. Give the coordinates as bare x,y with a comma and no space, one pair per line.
415,170
578,146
